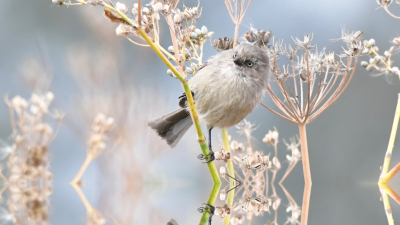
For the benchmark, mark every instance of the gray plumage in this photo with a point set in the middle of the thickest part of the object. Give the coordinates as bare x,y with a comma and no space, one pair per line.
227,89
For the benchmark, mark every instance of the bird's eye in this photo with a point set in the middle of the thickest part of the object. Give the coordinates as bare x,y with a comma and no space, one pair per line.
234,55
249,63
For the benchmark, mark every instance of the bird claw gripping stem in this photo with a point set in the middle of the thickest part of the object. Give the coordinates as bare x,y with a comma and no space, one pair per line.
211,211
211,157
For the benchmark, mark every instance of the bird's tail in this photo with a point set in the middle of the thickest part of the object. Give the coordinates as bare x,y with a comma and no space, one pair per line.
172,126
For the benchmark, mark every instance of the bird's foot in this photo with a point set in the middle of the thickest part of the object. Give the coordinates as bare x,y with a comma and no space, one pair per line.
211,157
210,209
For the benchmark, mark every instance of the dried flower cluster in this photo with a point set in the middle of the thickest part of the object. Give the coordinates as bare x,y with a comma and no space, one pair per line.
97,140
381,63
313,80
29,179
255,166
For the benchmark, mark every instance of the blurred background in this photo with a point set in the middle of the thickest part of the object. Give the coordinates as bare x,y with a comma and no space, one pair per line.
74,53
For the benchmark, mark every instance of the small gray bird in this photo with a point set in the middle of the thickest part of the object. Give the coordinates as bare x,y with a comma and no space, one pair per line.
226,89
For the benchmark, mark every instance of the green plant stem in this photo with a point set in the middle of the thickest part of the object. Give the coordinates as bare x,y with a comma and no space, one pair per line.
231,173
392,138
385,199
193,112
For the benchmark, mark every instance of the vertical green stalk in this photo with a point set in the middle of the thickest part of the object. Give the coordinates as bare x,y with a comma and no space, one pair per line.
231,173
193,112
392,138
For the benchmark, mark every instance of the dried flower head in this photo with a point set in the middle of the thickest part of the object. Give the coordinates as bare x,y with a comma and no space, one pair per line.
222,44
271,138
313,80
28,162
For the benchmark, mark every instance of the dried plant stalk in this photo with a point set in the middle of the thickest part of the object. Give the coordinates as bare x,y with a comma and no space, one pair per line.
309,86
237,10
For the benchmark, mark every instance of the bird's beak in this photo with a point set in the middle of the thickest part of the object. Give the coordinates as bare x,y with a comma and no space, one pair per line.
238,62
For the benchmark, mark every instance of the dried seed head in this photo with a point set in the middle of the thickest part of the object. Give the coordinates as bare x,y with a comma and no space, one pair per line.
122,7
250,36
146,10
124,30
178,18
157,7
396,41
222,44
271,138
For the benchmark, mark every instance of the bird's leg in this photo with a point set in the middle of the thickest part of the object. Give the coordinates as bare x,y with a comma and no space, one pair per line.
211,211
211,156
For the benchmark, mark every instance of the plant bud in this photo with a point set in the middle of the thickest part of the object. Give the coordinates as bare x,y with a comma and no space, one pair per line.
357,34
145,10
166,8
204,30
396,41
189,70
250,36
364,63
169,72
135,6
375,49
187,14
366,44
369,68
210,34
193,35
372,60
371,42
377,59
177,18
365,51
171,49
391,50
198,31
267,36
157,7
387,54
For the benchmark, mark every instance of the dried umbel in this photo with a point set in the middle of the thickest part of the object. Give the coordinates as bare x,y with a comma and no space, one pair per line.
313,80
222,44
256,204
29,179
258,37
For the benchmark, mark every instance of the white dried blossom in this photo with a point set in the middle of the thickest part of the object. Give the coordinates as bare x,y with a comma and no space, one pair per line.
271,138
121,7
